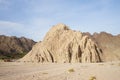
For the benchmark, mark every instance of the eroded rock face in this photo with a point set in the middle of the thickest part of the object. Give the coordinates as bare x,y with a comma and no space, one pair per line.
63,45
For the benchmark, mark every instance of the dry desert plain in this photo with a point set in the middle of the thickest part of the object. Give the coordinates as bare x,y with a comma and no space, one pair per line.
59,71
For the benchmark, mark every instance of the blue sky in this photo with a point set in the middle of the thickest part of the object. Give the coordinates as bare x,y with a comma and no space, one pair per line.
33,18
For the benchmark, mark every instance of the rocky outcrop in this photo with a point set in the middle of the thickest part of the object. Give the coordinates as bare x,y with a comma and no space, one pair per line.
13,47
63,45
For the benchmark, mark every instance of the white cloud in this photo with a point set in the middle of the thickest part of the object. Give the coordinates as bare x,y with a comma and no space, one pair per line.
32,31
9,24
11,28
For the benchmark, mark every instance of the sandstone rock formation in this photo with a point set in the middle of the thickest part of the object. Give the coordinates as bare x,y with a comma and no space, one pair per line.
63,45
12,47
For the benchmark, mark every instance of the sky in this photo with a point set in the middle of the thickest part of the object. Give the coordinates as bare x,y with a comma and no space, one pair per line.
33,18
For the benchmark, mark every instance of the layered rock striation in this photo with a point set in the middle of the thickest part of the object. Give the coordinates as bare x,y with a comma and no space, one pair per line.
63,45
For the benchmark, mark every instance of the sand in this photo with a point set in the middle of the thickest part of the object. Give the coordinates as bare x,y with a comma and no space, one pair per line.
58,71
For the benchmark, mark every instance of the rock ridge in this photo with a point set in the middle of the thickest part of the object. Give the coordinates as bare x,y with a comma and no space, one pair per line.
63,45
13,47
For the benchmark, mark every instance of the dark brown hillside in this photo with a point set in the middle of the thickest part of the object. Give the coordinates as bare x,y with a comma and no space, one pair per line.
13,47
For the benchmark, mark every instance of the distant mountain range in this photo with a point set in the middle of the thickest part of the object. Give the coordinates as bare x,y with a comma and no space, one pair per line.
13,47
110,45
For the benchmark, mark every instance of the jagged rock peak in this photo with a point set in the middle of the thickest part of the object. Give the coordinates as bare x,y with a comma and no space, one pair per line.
65,46
55,30
60,26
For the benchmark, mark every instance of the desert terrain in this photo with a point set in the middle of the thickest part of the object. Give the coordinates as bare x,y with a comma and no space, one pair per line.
59,71
76,56
59,39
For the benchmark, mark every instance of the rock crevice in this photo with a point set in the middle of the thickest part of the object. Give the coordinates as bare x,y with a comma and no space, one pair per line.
63,45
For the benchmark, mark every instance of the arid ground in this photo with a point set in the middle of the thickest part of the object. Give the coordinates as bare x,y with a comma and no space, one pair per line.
58,71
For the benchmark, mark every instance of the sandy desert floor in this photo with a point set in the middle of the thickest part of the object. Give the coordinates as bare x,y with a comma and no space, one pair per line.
55,71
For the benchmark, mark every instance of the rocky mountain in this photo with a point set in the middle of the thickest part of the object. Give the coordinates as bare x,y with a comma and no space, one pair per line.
13,47
63,45
109,44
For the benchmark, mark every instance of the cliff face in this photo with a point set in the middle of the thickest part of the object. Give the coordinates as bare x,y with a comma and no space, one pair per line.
12,47
64,45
